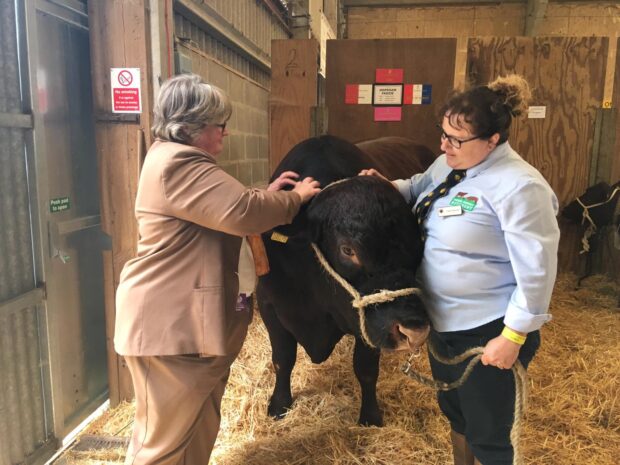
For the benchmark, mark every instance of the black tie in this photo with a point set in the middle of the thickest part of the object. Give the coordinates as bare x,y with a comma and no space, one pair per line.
441,190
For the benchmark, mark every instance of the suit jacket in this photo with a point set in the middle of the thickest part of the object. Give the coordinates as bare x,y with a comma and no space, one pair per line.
178,296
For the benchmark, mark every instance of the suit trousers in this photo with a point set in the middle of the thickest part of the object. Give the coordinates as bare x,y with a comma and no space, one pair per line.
482,409
178,400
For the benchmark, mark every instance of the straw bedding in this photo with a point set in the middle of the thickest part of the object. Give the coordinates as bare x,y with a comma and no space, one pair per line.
573,416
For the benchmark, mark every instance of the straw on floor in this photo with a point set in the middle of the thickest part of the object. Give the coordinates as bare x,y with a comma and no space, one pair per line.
573,415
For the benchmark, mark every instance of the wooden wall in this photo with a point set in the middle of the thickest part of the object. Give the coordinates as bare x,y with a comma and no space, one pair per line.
294,68
574,19
424,61
119,37
615,168
566,76
562,19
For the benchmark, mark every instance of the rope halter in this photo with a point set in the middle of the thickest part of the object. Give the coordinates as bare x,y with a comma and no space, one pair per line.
359,301
592,228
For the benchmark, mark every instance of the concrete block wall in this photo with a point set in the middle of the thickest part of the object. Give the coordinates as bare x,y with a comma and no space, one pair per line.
246,149
591,18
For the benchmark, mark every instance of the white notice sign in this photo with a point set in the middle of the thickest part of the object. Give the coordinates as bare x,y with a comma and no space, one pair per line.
388,94
364,94
125,84
537,112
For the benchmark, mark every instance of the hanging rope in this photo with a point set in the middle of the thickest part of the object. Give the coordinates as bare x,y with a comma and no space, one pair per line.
521,387
359,301
592,228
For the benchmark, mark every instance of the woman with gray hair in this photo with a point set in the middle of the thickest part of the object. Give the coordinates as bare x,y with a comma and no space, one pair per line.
176,320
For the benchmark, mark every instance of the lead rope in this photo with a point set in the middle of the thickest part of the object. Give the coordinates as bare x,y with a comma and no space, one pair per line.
359,301
521,387
591,230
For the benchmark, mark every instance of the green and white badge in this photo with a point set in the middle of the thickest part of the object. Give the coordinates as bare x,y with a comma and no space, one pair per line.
467,203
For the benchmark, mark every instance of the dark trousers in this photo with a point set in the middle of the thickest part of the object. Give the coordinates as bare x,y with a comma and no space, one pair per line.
483,408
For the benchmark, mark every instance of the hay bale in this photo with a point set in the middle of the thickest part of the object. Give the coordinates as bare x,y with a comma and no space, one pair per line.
573,416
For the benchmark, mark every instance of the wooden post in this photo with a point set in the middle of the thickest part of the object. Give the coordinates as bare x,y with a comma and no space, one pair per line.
119,37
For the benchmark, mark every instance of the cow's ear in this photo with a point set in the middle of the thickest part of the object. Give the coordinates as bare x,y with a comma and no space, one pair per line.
299,225
317,215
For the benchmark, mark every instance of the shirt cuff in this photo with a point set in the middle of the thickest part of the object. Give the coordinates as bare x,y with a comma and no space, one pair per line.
522,321
404,187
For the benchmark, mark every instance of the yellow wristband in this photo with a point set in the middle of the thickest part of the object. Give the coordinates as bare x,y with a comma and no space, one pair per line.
513,336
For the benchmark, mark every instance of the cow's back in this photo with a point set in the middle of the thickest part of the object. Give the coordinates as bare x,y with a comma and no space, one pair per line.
397,157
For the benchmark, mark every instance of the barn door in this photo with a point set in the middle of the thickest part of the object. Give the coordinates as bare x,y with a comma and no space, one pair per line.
427,64
566,75
70,200
26,424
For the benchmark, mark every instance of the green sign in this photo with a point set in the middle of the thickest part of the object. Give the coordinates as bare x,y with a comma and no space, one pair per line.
61,204
467,204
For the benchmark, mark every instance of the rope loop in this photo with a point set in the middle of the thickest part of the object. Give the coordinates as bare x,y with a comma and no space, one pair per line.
359,301
592,228
475,353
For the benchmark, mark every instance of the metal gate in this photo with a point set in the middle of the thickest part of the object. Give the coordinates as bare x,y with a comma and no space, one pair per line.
53,369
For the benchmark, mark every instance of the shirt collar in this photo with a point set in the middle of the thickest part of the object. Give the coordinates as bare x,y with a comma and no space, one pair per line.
499,152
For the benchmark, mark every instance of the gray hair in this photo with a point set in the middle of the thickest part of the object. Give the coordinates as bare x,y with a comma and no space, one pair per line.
185,105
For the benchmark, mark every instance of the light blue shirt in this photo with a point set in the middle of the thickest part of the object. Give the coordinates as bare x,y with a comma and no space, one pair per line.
499,257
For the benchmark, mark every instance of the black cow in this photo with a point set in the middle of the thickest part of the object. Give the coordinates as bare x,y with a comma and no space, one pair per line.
369,235
594,209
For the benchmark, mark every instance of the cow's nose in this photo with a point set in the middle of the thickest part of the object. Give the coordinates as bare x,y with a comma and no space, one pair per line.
411,339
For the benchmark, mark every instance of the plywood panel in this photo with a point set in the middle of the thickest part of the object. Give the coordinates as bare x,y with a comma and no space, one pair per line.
615,169
294,81
289,126
566,75
294,72
424,61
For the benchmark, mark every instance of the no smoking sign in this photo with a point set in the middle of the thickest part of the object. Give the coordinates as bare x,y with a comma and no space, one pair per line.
125,84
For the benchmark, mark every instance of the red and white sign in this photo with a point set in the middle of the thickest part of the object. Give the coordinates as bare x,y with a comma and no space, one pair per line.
125,84
388,113
389,75
358,94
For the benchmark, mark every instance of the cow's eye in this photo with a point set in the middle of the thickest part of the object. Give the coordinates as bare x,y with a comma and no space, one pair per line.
348,251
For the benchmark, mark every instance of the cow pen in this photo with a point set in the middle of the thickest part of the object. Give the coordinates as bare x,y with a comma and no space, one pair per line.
573,415
78,86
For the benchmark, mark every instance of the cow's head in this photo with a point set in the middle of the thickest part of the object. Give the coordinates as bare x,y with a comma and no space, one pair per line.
369,236
601,200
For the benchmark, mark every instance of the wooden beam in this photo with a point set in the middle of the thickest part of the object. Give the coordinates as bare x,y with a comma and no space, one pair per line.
120,34
280,13
16,120
534,15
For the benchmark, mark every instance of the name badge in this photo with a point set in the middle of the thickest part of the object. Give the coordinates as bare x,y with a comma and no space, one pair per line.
450,211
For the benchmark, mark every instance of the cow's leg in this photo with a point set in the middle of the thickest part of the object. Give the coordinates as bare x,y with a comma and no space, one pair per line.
366,366
283,356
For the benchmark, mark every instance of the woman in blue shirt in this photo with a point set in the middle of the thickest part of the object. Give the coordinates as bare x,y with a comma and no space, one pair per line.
490,259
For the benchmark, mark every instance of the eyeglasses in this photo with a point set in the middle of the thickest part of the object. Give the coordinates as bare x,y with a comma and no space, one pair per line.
223,126
453,141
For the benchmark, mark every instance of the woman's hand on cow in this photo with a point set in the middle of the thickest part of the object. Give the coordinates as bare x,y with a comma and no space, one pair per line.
501,353
372,172
307,188
376,174
287,178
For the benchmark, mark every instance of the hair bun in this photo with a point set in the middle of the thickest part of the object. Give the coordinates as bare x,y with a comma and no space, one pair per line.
514,92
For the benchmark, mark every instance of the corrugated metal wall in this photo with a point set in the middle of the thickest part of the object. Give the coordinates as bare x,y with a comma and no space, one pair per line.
184,28
16,259
229,44
247,17
23,425
254,21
